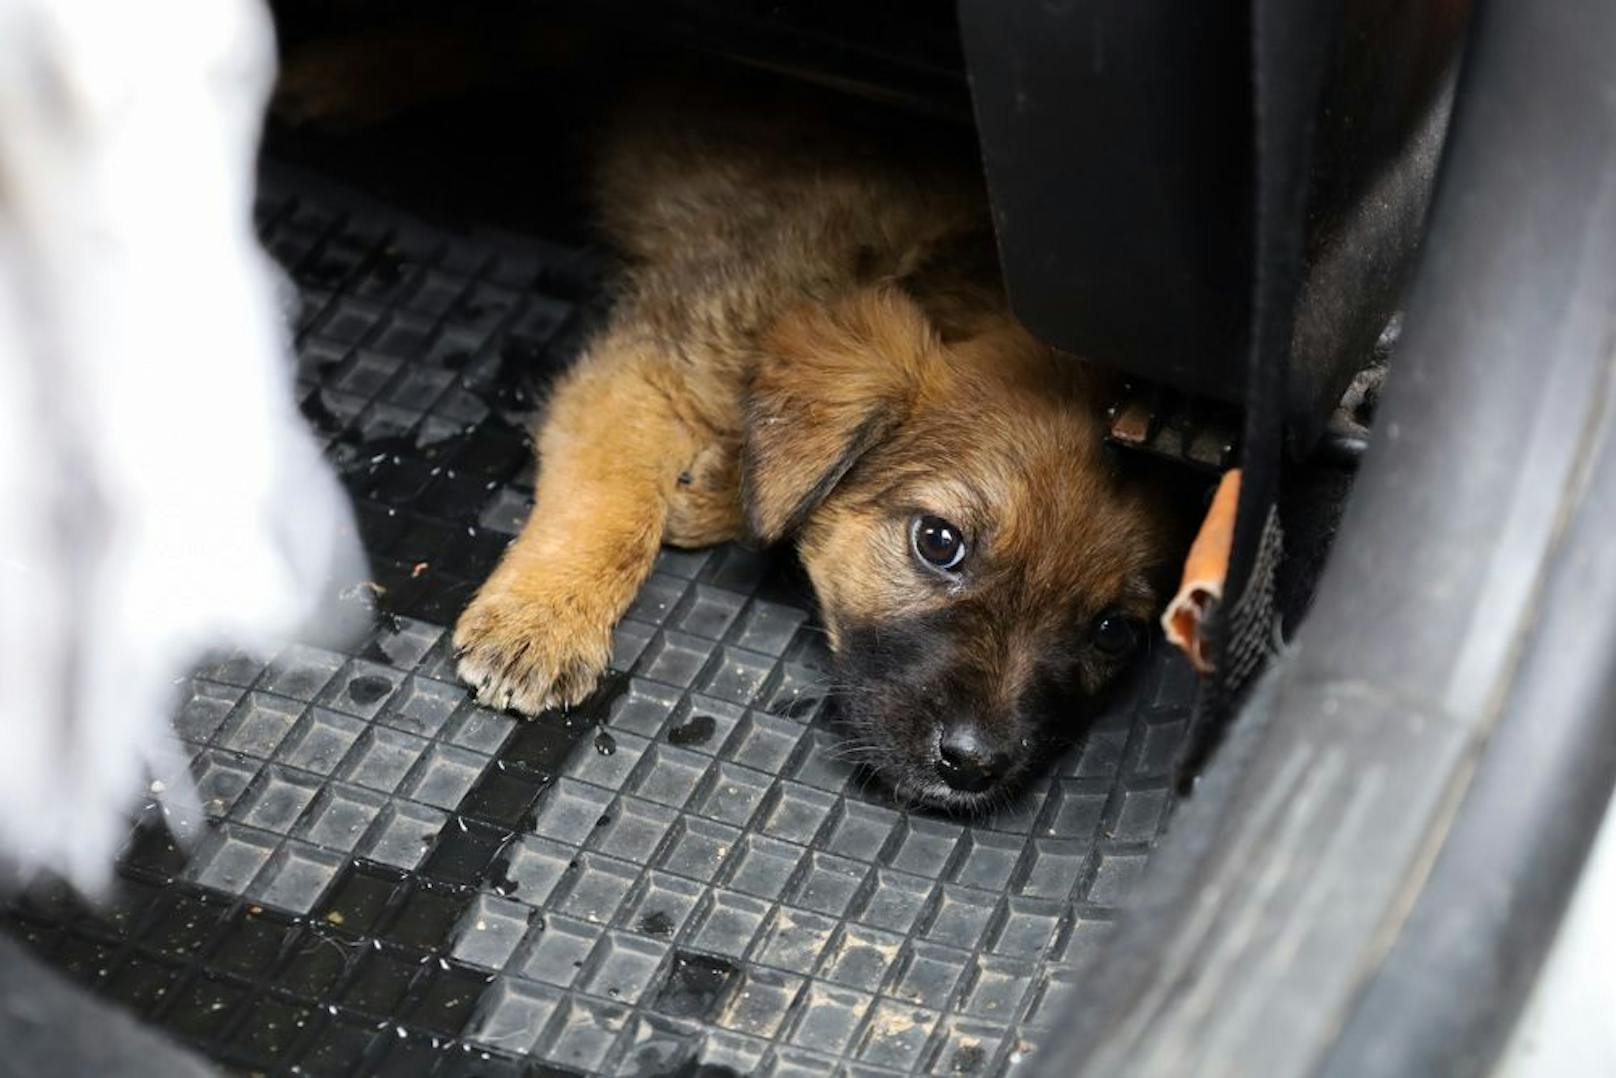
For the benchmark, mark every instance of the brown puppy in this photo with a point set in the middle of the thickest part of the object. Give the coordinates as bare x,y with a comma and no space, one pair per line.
803,350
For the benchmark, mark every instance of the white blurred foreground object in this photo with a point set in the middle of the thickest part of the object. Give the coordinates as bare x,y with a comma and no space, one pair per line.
159,494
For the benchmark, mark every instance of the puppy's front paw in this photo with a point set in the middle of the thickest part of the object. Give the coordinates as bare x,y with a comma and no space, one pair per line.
528,653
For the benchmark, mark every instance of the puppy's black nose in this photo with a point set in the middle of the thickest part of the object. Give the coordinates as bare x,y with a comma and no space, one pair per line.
966,763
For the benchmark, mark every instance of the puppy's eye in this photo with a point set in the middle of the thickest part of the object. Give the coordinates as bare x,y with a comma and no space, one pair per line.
1114,635
937,542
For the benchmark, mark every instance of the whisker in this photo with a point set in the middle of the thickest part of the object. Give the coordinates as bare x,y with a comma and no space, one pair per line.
856,753
866,780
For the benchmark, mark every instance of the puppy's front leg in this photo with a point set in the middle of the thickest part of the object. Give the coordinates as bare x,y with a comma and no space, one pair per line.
611,449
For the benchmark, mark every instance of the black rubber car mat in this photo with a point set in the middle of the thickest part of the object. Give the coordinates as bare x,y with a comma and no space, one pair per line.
396,880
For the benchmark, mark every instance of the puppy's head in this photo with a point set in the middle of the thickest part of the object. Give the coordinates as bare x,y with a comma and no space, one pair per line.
982,564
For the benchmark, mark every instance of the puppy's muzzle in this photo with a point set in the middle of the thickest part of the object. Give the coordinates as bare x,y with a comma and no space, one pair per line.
966,761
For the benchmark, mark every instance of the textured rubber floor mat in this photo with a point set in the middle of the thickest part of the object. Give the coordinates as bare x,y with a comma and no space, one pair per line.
396,880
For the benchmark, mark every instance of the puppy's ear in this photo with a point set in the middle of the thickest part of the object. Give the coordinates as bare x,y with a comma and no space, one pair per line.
833,382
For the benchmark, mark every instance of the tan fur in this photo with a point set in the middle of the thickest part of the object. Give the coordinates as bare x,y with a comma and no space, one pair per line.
798,325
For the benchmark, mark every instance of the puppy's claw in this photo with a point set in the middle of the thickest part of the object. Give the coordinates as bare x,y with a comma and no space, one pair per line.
527,654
